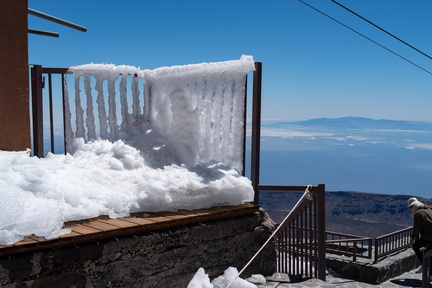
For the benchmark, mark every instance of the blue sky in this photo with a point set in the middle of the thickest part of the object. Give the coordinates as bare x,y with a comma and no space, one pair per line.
312,66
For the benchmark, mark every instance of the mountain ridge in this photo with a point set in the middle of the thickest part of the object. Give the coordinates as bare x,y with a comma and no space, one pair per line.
349,212
355,122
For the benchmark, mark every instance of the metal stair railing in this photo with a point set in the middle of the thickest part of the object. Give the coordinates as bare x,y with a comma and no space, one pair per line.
301,237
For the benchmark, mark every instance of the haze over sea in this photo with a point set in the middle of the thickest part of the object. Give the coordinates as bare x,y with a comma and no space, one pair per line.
349,154
346,154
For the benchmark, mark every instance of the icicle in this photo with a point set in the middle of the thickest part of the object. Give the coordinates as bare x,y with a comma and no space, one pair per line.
135,98
237,135
67,118
211,121
90,120
147,100
123,102
205,122
226,114
230,121
218,124
80,132
196,110
161,117
112,117
101,108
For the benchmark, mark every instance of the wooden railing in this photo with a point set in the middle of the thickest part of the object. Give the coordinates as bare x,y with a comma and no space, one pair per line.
301,238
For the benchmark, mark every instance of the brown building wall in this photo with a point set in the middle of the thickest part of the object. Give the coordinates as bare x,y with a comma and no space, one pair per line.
14,77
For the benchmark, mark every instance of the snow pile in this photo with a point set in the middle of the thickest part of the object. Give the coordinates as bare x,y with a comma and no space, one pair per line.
201,280
195,111
103,178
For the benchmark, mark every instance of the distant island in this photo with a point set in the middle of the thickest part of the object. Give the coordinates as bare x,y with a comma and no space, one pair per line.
357,213
352,122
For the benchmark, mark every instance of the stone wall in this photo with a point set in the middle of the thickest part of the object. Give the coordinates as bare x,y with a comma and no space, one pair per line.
159,259
374,273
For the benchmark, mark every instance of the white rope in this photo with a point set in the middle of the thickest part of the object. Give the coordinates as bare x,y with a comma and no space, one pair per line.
306,195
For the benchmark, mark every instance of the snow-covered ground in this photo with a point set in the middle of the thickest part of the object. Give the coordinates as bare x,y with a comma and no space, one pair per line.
103,178
230,277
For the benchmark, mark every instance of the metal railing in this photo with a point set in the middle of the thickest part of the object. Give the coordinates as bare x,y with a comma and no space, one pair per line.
362,247
301,239
38,83
348,245
391,243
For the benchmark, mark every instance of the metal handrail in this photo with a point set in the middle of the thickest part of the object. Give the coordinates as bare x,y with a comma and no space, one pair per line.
383,245
301,239
37,85
331,233
355,247
391,243
343,247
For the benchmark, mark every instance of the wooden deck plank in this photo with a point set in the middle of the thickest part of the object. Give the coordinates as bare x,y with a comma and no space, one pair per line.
181,216
119,222
101,225
158,219
84,229
26,241
139,221
70,235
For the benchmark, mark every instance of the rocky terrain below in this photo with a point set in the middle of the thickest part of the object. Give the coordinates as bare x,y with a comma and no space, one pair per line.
357,213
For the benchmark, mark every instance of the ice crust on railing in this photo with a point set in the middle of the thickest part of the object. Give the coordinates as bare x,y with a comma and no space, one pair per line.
187,114
171,116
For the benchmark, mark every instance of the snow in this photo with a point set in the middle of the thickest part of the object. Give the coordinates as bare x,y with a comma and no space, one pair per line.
180,150
195,111
201,280
257,279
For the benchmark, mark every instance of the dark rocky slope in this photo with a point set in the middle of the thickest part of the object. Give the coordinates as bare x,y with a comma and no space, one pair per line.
364,214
